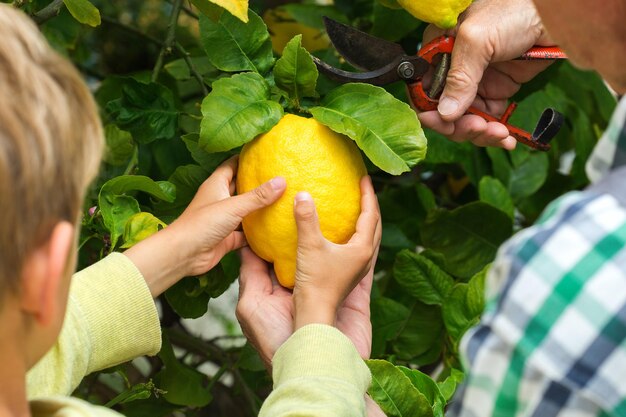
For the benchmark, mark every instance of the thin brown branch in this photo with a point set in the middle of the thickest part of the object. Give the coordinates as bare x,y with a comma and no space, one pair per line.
169,40
48,12
192,68
181,338
190,12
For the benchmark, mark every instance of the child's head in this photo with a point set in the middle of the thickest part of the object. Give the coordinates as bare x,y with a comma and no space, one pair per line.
50,150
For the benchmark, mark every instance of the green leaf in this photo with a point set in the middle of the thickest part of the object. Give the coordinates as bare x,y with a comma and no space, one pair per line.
421,332
586,89
119,145
233,46
83,11
448,386
394,237
426,197
187,179
421,278
492,192
404,208
464,306
428,387
311,14
179,69
295,72
529,173
231,264
385,128
140,391
392,24
217,282
468,236
394,393
152,407
442,150
249,359
139,227
523,174
182,384
63,32
236,111
117,208
188,298
211,10
501,164
208,161
127,183
147,111
388,319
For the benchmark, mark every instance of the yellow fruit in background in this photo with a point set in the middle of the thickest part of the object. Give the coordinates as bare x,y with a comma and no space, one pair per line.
283,27
443,13
312,158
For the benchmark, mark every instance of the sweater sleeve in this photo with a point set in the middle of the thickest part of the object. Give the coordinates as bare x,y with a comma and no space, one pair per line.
111,318
317,373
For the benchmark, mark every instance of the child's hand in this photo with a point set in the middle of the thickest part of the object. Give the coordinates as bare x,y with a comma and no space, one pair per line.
327,272
204,232
265,309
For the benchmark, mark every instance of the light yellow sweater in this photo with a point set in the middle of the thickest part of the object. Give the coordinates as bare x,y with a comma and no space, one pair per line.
111,318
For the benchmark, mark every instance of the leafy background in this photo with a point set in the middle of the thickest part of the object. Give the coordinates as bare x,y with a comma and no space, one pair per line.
166,74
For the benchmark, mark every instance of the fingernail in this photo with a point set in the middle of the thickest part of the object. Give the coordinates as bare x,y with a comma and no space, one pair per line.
278,183
447,106
303,196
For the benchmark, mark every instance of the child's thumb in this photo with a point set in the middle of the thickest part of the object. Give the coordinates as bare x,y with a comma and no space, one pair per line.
307,222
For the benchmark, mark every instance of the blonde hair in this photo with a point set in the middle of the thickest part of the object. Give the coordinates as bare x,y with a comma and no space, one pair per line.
50,141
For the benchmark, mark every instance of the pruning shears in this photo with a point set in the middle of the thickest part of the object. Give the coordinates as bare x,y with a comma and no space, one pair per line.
385,62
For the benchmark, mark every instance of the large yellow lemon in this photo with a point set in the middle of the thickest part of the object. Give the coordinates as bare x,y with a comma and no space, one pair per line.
312,158
443,13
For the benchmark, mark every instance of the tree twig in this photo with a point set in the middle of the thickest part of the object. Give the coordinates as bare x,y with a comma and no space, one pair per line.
169,40
48,12
192,68
187,9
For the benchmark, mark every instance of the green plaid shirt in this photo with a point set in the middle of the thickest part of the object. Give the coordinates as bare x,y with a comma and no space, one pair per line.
552,341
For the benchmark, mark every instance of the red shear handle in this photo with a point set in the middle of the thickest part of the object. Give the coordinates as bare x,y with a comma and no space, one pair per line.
543,52
422,102
445,45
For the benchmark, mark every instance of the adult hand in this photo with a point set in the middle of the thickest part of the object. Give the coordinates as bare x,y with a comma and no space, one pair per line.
491,33
204,232
266,310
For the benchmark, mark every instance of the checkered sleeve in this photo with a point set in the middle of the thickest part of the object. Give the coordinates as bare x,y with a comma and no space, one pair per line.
610,151
552,341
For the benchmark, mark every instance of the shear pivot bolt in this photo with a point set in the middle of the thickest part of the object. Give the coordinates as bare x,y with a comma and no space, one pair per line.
406,70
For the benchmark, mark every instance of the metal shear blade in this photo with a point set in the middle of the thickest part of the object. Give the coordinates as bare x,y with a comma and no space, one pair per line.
360,49
405,68
384,61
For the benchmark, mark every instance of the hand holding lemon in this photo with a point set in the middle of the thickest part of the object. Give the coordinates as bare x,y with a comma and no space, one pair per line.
322,233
